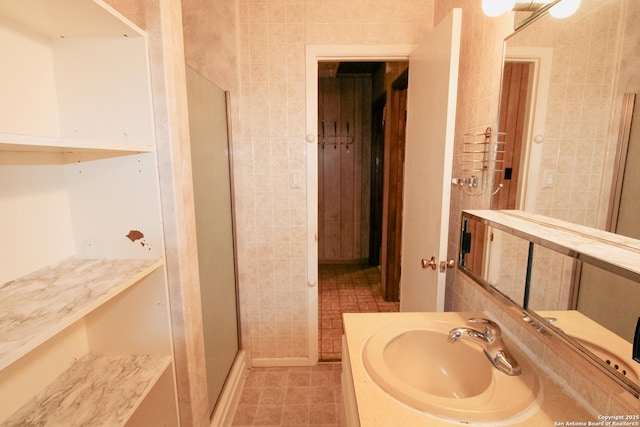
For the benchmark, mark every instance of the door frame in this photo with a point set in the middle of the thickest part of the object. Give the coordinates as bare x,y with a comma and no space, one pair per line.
534,127
315,54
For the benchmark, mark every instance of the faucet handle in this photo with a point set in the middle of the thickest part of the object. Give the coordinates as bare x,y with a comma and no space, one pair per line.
491,328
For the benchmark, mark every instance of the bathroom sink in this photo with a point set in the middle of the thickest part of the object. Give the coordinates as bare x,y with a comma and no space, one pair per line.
603,343
417,364
426,361
612,359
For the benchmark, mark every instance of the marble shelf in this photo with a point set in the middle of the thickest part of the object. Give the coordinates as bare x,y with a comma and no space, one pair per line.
613,252
32,143
37,306
95,390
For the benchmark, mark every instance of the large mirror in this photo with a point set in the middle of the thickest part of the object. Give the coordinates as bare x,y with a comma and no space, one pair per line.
562,105
569,149
534,261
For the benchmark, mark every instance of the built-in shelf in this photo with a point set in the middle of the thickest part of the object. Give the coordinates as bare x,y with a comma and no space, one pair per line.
95,390
85,334
30,143
39,305
67,18
617,253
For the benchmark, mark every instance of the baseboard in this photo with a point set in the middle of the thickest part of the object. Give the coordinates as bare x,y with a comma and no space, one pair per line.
227,404
284,361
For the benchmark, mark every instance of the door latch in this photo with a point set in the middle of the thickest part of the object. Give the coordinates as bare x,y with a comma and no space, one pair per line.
433,264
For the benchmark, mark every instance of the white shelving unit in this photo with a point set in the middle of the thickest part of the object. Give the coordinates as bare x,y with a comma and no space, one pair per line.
85,336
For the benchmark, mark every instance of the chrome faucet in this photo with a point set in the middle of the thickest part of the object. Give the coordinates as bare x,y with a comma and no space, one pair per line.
491,342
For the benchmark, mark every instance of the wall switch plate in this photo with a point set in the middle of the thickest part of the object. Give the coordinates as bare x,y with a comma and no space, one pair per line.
294,180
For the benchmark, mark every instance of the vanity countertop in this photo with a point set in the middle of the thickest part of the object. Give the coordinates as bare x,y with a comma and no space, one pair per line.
377,408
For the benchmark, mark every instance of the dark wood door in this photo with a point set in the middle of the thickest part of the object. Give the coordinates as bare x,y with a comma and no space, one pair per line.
513,108
344,114
397,119
377,179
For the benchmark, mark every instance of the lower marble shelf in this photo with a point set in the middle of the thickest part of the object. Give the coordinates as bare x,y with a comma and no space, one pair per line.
96,391
39,305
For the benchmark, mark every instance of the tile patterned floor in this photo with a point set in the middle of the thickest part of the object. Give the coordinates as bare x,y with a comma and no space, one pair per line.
310,396
346,288
292,397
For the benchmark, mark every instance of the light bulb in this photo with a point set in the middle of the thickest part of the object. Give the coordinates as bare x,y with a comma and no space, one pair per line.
564,9
497,7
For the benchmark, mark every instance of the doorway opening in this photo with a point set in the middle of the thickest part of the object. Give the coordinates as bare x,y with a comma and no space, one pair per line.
361,122
315,55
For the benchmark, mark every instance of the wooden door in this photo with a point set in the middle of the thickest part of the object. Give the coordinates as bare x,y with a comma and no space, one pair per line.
344,147
513,108
377,180
396,123
431,112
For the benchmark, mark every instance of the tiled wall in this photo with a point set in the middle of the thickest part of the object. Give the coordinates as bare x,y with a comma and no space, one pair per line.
273,37
578,116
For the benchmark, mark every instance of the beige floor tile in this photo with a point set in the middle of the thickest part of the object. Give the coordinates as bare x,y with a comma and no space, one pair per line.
346,289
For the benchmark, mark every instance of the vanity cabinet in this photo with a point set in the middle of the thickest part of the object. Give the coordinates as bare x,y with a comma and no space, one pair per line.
85,336
349,405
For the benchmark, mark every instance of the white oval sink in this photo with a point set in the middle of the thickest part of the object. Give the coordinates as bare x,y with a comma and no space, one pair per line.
418,365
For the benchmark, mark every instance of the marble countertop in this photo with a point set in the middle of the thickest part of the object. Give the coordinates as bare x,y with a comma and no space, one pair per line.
95,391
377,408
37,306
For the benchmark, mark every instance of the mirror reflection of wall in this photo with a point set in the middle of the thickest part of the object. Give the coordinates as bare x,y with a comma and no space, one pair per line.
562,109
571,112
621,294
614,306
626,203
550,287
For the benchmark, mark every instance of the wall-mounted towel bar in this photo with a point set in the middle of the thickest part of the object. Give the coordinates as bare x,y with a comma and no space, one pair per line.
475,161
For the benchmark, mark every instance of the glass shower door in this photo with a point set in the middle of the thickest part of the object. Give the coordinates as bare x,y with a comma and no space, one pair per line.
212,182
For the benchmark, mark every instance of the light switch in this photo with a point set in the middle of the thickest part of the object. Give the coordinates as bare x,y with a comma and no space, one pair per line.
294,180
